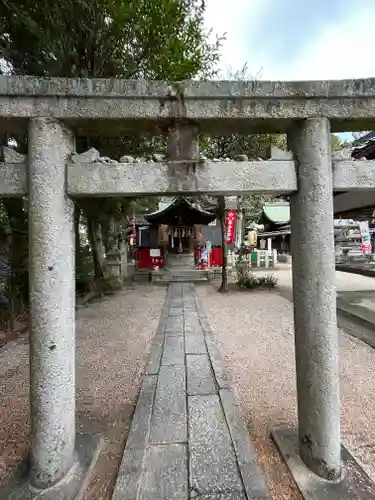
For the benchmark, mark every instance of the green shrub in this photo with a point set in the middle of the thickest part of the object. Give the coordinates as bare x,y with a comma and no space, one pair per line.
249,281
242,272
268,281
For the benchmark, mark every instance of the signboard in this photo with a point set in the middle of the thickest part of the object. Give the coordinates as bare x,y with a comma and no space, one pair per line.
154,252
209,246
230,225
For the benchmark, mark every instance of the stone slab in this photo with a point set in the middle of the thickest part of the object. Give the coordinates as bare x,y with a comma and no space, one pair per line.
173,351
360,304
252,476
174,326
161,326
69,488
176,303
14,181
225,495
131,465
156,352
355,484
195,344
192,325
141,422
217,363
169,418
220,107
200,379
134,90
165,474
211,178
176,310
128,478
213,465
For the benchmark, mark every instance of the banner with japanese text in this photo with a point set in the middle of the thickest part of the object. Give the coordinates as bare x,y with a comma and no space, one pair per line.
230,225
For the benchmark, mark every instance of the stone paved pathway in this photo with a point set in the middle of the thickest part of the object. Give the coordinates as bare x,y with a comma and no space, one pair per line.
188,438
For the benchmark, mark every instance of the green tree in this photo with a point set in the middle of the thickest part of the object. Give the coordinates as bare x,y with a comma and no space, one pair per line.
159,39
162,39
337,143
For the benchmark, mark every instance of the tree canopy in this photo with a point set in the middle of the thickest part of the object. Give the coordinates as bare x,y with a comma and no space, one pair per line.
134,39
162,39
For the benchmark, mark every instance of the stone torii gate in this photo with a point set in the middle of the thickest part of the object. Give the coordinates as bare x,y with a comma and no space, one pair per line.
54,111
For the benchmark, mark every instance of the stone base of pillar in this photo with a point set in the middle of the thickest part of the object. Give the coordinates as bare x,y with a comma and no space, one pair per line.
355,484
70,487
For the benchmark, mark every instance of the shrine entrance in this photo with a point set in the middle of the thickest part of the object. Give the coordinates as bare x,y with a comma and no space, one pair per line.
53,112
181,239
180,225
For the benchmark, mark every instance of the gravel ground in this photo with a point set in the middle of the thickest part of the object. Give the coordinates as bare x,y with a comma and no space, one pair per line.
255,333
112,347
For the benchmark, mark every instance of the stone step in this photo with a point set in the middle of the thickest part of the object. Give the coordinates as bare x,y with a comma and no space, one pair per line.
181,280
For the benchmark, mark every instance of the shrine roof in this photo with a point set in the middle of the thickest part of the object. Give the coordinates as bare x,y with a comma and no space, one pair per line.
278,213
182,211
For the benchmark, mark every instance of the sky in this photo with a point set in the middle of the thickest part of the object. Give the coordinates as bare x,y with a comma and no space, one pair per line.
295,39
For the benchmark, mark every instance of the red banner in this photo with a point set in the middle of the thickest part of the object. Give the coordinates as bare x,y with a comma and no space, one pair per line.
230,225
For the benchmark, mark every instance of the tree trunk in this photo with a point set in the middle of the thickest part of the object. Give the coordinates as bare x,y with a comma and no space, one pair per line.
224,267
93,231
18,281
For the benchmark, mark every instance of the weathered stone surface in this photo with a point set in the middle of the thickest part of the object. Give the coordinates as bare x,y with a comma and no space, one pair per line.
174,332
129,476
353,175
12,156
217,362
176,311
358,176
174,325
130,89
354,485
215,472
227,495
169,419
173,351
213,465
106,159
90,156
211,178
165,474
195,344
52,303
154,359
275,153
192,324
315,321
70,487
219,107
199,375
252,477
13,180
176,302
132,461
142,416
